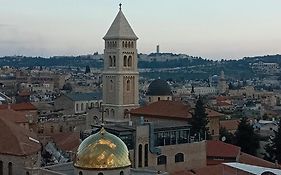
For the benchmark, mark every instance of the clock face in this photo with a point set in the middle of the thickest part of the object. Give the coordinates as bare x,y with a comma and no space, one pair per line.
223,138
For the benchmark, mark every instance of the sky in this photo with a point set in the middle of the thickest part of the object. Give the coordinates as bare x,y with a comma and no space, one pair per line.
214,29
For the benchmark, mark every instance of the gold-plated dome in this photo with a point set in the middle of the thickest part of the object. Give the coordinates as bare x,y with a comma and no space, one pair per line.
102,151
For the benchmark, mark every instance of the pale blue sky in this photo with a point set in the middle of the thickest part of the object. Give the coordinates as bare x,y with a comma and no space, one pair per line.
208,28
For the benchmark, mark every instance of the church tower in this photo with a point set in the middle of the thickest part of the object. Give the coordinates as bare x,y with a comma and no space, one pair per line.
120,74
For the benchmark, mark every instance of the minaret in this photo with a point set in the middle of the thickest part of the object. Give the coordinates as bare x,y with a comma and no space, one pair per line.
222,84
120,74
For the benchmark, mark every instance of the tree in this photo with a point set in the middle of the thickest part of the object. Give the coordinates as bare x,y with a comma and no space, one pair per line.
228,136
246,138
88,70
273,148
199,120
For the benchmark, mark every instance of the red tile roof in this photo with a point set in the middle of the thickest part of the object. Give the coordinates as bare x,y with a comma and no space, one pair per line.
67,141
252,160
16,140
169,109
19,106
217,148
15,116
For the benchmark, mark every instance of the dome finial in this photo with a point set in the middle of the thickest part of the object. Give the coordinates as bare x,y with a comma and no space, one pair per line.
120,6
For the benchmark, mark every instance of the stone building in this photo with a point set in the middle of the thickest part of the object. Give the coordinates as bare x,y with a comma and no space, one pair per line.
77,103
120,74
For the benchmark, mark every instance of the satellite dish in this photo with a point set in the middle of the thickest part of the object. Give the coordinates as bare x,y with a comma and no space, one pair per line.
223,138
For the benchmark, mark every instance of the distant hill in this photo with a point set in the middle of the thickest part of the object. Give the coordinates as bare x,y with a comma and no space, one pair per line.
181,69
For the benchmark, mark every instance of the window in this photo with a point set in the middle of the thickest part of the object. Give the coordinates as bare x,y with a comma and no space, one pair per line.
130,61
10,168
149,99
128,84
1,167
82,106
132,44
114,61
140,155
61,128
213,132
158,98
125,61
80,173
122,173
162,160
112,113
146,155
111,85
52,129
179,157
123,44
110,61
76,107
100,174
27,173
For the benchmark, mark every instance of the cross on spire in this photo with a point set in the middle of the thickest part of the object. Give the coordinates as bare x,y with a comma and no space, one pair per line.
120,6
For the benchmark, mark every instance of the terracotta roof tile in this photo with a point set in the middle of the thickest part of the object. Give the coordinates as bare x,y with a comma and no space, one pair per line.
252,160
67,141
164,108
19,106
169,109
16,140
15,116
217,148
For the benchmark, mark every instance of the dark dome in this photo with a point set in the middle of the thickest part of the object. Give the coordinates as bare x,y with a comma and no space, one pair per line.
159,88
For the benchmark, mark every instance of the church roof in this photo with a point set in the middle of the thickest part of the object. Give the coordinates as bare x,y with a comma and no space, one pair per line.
16,140
120,28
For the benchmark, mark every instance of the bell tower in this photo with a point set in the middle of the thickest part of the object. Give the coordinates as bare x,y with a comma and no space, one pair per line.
120,74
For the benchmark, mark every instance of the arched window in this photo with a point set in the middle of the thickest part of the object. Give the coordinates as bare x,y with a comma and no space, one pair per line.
126,113
77,107
112,113
80,173
149,99
168,98
146,155
140,155
179,157
61,128
114,61
82,106
123,44
128,85
27,173
110,61
100,174
10,168
132,44
125,61
129,44
158,98
162,160
1,167
126,44
121,172
130,61
111,85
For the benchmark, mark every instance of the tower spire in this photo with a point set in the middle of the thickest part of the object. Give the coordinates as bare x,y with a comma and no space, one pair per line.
120,6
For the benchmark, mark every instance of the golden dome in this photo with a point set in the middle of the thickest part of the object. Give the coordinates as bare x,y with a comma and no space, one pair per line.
102,151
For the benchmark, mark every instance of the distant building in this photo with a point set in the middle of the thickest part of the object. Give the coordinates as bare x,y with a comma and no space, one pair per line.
158,90
266,68
77,103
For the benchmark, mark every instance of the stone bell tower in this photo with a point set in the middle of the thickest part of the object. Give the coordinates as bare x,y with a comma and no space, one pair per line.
120,74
